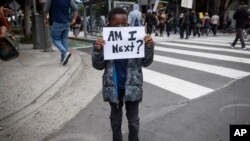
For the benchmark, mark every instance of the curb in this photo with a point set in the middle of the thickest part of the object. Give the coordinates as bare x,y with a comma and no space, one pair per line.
82,86
59,86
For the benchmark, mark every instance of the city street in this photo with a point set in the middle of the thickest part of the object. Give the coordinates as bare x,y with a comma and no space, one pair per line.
194,90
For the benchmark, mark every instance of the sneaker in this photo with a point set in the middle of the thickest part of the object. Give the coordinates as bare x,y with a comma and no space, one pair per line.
243,48
232,46
66,58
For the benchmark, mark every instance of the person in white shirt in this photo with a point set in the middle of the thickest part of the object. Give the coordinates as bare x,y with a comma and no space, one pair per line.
214,23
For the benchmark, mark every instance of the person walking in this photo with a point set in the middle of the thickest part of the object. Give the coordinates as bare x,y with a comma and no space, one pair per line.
169,23
77,26
241,17
61,18
227,24
122,79
205,24
186,23
198,26
193,22
135,16
149,22
162,20
181,25
214,23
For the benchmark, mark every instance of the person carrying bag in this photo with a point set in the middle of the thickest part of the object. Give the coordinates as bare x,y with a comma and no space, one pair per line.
8,42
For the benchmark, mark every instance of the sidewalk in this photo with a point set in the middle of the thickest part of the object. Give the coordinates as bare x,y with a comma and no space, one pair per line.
36,97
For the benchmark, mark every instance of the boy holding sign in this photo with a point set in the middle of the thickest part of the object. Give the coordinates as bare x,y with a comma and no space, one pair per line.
122,79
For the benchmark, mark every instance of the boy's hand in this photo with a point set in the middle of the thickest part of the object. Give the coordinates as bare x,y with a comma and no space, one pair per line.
99,43
149,41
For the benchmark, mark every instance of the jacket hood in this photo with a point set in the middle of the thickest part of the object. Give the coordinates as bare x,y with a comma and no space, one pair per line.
135,7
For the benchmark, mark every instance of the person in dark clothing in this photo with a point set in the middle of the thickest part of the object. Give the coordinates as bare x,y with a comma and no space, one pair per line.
149,21
181,25
228,23
241,17
122,79
186,23
169,23
77,26
193,22
198,26
161,26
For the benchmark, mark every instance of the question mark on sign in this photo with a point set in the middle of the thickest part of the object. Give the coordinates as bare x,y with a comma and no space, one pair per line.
141,42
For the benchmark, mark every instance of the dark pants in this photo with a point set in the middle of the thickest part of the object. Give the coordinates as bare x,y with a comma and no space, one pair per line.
239,35
197,31
149,29
214,28
132,114
192,28
185,27
161,27
168,29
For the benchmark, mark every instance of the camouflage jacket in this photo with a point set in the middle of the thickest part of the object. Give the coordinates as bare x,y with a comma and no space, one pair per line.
134,80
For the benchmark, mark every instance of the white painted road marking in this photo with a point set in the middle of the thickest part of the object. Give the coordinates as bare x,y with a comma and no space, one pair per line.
205,55
206,43
205,48
175,85
226,72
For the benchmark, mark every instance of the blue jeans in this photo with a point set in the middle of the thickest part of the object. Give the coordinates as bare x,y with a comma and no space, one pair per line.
59,34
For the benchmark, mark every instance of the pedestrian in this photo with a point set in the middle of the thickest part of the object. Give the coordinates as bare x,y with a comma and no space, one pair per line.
149,22
162,20
198,26
193,22
181,25
169,23
77,26
186,23
122,79
61,22
156,28
135,16
214,23
205,24
241,17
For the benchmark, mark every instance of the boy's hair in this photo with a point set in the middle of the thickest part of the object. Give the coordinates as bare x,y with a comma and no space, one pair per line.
114,11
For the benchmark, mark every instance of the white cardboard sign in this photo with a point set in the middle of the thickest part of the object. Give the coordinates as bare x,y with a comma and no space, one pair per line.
187,3
123,42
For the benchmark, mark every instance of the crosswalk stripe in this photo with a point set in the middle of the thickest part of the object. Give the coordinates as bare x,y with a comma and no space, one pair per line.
175,85
219,40
205,47
207,43
226,72
205,55
231,38
226,40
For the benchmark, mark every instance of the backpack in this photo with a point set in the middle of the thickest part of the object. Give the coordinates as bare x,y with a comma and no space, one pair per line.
194,19
136,23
